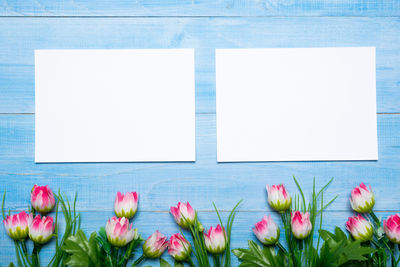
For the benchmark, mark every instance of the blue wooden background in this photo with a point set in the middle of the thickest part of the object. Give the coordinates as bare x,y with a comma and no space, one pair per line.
203,25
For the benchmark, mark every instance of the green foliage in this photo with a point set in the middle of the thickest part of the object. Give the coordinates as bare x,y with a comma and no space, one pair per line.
164,263
83,252
340,250
262,257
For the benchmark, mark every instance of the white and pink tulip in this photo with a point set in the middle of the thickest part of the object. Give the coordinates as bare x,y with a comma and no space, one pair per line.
301,224
392,228
215,240
41,229
267,231
42,199
278,198
126,205
17,225
362,199
360,228
179,248
184,215
155,245
120,232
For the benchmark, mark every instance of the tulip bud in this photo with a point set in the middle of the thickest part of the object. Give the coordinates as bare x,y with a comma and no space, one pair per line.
17,225
278,198
179,248
215,240
362,199
301,224
267,231
126,205
120,232
360,228
41,229
42,199
184,215
392,228
155,245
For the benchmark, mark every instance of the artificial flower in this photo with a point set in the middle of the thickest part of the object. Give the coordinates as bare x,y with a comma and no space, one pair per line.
42,199
126,205
41,229
215,240
360,228
278,198
17,225
362,199
267,231
184,215
301,224
120,232
155,245
178,247
392,228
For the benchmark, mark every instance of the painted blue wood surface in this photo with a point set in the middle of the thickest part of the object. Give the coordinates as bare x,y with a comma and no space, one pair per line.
204,25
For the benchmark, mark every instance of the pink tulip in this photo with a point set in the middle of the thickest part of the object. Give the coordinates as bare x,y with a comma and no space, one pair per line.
126,205
360,228
17,225
41,229
215,240
392,228
362,199
267,231
120,232
278,198
301,224
178,247
184,214
155,245
42,199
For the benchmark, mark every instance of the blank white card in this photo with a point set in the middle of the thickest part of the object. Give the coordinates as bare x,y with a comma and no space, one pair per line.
115,105
296,104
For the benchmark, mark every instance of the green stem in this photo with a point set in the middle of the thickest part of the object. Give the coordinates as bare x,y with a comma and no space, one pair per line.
191,261
139,260
25,250
216,260
375,218
281,247
19,262
35,255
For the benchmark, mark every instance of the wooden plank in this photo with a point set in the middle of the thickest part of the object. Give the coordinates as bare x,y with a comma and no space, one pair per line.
148,222
20,36
162,185
200,8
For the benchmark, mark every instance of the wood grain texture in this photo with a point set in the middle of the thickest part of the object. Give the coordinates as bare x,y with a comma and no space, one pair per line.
200,8
203,25
20,36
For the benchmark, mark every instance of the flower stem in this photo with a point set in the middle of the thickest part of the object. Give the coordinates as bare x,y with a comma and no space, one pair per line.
375,218
35,255
191,261
281,247
139,260
216,261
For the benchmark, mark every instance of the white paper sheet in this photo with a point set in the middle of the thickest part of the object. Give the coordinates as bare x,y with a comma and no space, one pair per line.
115,105
296,104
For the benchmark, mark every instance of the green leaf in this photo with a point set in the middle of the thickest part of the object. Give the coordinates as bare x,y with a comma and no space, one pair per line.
164,263
11,265
83,252
257,256
178,264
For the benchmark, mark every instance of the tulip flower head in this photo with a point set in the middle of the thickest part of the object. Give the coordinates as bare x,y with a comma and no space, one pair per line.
301,224
267,231
360,228
120,232
392,228
184,215
178,247
155,245
41,229
362,199
126,205
42,199
215,240
278,198
17,225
